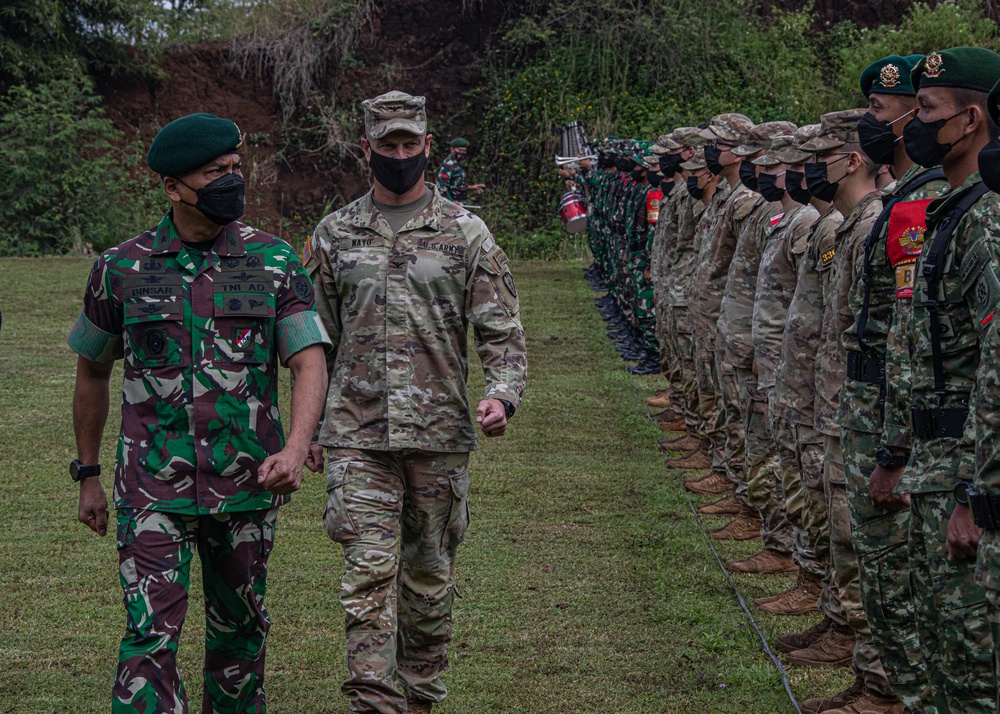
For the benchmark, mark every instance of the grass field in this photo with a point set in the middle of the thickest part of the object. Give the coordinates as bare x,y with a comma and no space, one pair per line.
587,585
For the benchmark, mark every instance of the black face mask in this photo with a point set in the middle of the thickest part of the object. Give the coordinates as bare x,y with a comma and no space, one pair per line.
694,189
654,179
712,155
667,186
877,139
670,164
603,162
222,200
637,175
793,184
748,176
921,142
819,185
398,175
767,189
989,165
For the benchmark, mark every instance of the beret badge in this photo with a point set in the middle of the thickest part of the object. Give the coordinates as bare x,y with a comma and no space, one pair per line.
933,65
889,76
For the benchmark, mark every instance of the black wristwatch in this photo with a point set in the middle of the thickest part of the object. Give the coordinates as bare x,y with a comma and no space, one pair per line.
887,458
963,489
78,472
508,408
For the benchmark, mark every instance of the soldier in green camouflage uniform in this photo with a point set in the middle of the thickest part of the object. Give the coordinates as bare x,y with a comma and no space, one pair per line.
880,303
951,615
201,309
452,181
400,274
645,214
661,248
775,287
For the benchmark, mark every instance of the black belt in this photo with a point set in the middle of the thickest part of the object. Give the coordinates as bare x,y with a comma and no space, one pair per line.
862,367
986,510
937,423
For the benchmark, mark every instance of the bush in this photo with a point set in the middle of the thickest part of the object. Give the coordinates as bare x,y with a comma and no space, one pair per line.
66,188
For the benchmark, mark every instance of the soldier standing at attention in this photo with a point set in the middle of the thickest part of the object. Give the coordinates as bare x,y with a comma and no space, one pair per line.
400,273
452,181
954,296
880,303
201,308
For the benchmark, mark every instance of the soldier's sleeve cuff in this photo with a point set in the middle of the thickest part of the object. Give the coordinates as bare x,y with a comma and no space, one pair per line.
93,343
298,331
504,392
898,437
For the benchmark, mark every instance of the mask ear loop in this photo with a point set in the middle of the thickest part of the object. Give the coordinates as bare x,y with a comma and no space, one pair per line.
903,116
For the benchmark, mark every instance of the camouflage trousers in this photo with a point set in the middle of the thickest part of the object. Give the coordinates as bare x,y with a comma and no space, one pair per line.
810,451
155,550
880,543
847,579
993,612
764,491
798,498
709,400
734,421
951,611
399,516
669,359
680,324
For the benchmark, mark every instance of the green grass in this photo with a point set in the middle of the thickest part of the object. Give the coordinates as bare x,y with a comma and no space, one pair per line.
586,584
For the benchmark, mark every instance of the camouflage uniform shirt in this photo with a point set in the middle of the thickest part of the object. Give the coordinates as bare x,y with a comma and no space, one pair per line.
451,180
732,217
199,334
398,308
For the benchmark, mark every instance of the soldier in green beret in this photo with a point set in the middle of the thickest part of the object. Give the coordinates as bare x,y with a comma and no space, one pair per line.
879,302
954,297
201,309
452,180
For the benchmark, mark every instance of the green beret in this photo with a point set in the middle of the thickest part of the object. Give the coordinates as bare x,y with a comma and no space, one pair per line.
458,142
960,67
890,75
192,141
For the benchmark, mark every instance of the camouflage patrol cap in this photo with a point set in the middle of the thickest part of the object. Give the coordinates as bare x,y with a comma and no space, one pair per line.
778,144
730,127
650,159
697,161
639,149
663,145
793,154
688,136
836,129
394,111
759,138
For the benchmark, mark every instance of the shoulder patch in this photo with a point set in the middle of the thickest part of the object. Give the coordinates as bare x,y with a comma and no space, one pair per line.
826,258
302,288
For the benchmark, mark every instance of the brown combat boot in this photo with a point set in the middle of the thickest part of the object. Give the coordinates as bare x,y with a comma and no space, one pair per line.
666,415
658,402
800,640
677,424
745,526
800,599
685,443
870,702
693,461
765,562
834,647
728,506
824,704
418,706
713,484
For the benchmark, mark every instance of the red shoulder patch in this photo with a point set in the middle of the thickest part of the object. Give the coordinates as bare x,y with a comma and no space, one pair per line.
904,240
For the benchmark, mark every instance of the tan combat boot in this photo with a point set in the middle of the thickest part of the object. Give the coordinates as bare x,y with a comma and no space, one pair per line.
714,484
824,704
418,706
728,506
870,702
685,443
677,424
800,640
695,460
666,415
834,647
765,562
745,526
659,402
800,599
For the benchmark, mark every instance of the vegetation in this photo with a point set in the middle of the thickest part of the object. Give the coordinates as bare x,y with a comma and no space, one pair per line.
587,585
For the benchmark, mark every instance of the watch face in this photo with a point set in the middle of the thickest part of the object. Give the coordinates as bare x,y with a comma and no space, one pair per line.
962,493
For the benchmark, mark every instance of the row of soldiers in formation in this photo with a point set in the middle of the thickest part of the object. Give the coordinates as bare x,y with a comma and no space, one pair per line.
821,299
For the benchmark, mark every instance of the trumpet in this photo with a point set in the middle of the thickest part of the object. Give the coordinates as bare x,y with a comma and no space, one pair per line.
564,160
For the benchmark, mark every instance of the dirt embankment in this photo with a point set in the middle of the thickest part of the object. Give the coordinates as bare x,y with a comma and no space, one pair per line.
425,47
